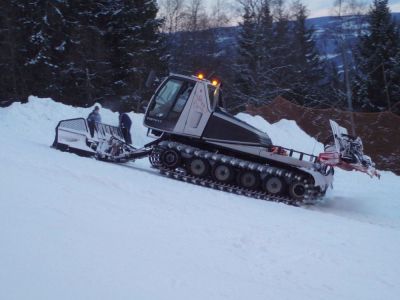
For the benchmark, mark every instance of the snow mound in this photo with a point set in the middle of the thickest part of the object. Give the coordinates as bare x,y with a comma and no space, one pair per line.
285,133
77,228
37,119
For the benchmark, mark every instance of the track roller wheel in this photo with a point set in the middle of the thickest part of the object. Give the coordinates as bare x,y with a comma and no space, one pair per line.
274,185
297,190
198,167
223,173
248,180
155,157
171,158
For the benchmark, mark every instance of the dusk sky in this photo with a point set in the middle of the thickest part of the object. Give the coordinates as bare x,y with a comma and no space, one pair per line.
319,8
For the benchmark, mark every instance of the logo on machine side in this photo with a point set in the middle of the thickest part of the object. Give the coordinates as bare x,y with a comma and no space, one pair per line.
153,119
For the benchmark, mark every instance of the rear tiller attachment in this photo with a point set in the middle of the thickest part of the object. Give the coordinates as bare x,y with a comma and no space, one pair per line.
346,152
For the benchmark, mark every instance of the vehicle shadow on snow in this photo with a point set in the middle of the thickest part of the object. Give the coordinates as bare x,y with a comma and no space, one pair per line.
137,167
341,206
337,203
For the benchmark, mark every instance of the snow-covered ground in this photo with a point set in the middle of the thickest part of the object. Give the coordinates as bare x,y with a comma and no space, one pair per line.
77,228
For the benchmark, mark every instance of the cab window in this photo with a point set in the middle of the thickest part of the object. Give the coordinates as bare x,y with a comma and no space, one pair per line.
171,99
183,97
165,98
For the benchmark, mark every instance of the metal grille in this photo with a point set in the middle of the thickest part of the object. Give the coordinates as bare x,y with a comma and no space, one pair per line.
74,124
104,130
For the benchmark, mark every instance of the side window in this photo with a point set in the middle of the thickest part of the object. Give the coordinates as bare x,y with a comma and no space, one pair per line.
166,98
183,97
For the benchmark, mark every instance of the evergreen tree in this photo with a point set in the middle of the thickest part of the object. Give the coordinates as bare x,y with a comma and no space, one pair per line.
252,68
12,87
79,52
43,24
41,31
395,84
194,49
307,87
378,80
85,75
335,88
264,83
33,35
137,48
282,72
247,57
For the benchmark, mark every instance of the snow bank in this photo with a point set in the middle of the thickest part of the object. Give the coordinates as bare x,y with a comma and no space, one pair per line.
77,228
37,119
285,133
354,195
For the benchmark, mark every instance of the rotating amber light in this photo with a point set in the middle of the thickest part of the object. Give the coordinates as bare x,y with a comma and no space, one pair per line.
200,76
214,82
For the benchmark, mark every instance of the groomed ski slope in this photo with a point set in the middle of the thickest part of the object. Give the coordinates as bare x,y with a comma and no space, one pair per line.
77,228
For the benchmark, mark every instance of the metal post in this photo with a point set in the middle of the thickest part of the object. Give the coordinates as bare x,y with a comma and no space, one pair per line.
346,69
348,89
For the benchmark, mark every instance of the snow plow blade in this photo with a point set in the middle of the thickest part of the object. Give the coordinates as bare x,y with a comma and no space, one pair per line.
346,152
73,135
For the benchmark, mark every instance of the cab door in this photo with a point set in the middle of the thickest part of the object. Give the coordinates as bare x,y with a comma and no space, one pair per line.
166,107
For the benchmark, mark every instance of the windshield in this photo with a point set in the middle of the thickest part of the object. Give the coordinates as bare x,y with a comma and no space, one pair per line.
171,99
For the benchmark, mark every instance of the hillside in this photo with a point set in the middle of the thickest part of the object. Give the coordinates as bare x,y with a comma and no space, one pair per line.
326,35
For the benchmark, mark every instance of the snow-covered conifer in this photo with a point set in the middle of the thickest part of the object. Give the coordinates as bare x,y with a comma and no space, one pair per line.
308,70
378,80
137,47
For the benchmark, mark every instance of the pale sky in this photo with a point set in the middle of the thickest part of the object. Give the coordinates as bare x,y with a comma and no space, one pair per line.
319,8
324,8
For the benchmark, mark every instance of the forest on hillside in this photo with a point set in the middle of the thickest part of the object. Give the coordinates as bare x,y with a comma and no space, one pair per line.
115,52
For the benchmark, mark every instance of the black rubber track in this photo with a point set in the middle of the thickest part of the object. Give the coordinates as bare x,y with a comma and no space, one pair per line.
187,152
